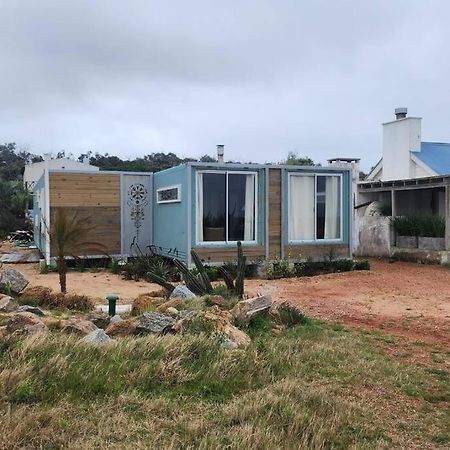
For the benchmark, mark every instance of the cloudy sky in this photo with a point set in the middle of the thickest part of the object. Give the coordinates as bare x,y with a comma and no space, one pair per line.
263,77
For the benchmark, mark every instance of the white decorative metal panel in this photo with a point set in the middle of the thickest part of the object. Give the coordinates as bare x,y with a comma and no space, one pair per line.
136,213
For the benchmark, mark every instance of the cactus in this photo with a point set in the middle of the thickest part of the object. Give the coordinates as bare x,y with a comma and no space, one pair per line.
192,282
202,272
227,278
161,281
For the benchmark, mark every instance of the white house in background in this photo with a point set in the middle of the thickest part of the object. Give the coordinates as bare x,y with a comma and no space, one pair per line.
405,156
34,171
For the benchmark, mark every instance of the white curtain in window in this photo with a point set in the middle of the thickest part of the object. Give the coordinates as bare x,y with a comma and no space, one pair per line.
199,219
301,207
332,208
249,208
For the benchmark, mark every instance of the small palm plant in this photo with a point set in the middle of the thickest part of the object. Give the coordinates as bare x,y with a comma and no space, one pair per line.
68,235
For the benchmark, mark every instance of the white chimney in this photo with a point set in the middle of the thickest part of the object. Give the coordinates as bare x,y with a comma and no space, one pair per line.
86,160
400,137
47,156
220,152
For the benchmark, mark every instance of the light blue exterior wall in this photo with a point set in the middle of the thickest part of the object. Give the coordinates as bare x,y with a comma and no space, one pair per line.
171,220
39,214
346,204
261,219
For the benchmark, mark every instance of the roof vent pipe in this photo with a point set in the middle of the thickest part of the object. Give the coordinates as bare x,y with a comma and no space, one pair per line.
220,151
400,113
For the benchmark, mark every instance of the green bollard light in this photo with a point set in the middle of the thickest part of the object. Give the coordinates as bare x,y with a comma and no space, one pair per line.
112,299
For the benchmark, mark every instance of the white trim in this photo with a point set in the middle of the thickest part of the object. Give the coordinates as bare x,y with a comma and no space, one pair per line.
341,221
47,216
376,168
227,242
166,188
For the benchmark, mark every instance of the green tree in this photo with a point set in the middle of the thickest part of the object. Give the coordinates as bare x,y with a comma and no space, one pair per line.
294,160
68,234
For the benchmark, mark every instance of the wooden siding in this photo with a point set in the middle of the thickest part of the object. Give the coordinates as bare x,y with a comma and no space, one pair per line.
274,211
84,190
220,254
317,252
105,231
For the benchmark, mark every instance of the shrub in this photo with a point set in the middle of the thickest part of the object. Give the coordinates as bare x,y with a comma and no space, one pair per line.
290,315
343,265
361,265
46,298
421,225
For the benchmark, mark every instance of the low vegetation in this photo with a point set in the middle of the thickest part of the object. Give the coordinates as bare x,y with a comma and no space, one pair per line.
419,226
313,386
46,298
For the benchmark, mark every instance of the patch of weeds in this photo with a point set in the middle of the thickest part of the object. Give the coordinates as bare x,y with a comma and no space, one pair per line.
290,316
361,265
441,374
259,325
23,393
441,439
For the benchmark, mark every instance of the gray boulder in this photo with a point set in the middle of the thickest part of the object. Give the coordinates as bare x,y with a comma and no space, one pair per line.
8,304
31,309
153,322
115,318
25,322
182,292
80,327
99,319
97,338
246,309
12,280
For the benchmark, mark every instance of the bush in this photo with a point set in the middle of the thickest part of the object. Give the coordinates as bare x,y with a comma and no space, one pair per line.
422,225
361,265
46,298
343,265
290,315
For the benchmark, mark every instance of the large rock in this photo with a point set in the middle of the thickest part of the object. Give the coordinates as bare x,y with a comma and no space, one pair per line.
99,319
223,325
26,322
97,338
31,309
177,301
12,280
182,292
246,309
80,327
8,304
219,301
121,328
153,322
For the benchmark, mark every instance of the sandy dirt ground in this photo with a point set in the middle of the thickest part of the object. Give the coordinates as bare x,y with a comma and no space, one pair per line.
400,298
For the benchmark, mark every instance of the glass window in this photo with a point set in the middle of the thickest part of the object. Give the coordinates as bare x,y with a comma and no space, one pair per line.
226,207
314,207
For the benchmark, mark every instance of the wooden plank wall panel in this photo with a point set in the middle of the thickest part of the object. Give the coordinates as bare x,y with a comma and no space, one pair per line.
84,190
317,252
219,254
275,223
106,228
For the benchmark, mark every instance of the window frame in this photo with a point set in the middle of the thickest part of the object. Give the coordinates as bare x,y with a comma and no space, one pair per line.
341,209
227,242
166,188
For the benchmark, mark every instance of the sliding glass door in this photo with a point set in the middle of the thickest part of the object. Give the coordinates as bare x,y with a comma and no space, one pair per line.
315,207
226,206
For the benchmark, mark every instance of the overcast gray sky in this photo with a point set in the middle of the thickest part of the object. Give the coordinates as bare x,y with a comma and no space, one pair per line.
262,77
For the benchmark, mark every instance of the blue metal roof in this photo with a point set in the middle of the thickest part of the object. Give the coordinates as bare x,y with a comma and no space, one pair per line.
436,155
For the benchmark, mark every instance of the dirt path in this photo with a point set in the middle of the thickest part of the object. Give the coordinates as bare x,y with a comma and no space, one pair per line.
401,298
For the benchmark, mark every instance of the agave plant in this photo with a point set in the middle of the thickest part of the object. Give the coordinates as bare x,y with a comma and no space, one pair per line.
68,235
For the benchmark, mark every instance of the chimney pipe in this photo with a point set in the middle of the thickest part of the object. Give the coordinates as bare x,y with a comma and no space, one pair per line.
220,151
400,113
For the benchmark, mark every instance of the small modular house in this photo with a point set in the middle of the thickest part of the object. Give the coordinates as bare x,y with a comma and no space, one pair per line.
275,211
118,205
